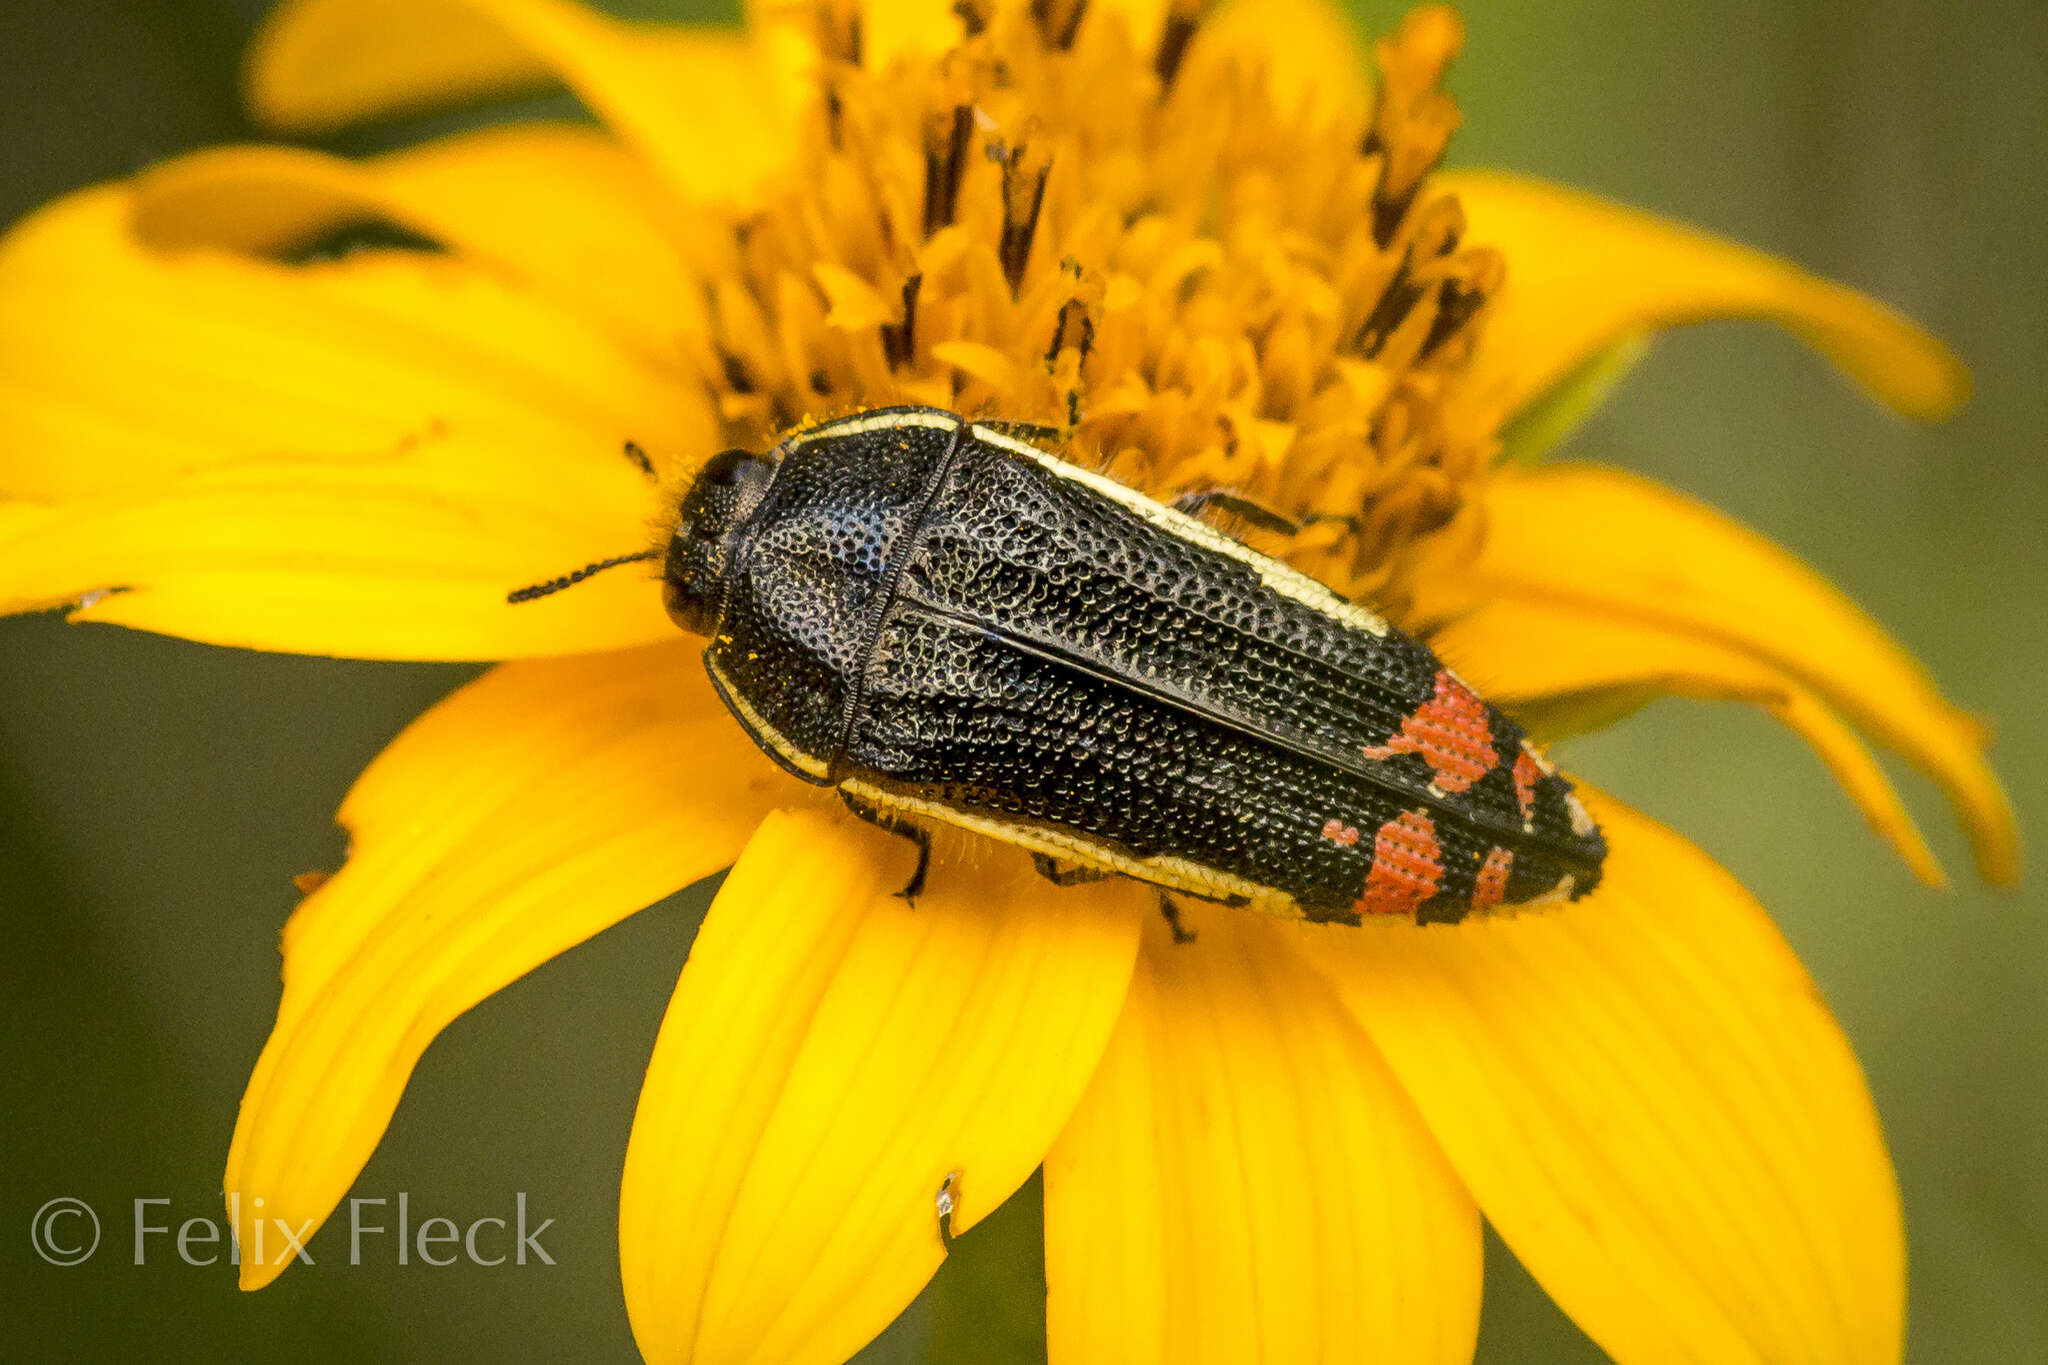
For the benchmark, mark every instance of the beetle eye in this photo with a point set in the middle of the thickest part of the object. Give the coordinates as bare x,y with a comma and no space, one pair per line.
723,469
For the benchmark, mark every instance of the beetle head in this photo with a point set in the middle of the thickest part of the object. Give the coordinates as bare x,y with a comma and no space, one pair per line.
710,525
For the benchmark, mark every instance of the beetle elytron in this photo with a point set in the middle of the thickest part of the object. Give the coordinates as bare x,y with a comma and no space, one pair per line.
950,624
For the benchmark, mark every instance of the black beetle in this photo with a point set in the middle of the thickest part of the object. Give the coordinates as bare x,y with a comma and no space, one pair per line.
949,623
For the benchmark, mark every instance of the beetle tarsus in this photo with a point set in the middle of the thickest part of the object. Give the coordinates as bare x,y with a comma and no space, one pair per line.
1031,433
1243,508
1171,914
1066,874
919,837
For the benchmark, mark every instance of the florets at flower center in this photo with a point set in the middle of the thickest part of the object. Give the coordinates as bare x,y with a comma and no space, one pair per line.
1199,284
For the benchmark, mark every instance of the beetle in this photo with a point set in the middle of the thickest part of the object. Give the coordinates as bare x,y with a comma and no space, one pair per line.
951,624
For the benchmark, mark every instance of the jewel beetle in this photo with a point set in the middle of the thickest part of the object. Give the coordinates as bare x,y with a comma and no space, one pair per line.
950,624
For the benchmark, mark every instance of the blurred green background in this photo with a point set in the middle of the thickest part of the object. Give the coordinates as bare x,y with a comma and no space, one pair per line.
155,797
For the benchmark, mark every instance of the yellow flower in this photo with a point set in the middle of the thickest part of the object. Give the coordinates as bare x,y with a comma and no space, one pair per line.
1216,256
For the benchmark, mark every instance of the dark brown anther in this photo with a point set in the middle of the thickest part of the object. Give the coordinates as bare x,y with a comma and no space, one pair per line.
1182,22
1024,175
835,114
1463,297
1401,294
974,16
843,37
1388,211
899,339
1412,118
1058,21
946,140
1065,41
1455,307
1074,328
737,377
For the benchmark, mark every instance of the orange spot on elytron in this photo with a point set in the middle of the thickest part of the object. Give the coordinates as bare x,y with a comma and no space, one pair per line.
1451,733
1491,886
1339,833
1527,774
1406,866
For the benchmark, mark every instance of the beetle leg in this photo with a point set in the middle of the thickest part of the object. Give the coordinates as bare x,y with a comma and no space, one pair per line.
1171,912
1030,433
1071,874
902,829
1264,518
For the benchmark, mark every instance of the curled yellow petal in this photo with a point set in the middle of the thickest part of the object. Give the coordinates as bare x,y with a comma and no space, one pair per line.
1584,273
1244,1179
1653,1106
564,209
1534,657
831,1057
123,366
1597,543
710,109
527,812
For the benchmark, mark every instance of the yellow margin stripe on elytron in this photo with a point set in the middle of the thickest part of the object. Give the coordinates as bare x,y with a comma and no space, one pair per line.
865,422
1175,874
1289,582
760,729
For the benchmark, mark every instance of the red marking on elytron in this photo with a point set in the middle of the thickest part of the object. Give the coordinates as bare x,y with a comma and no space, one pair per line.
1407,864
1527,774
1339,833
1491,886
1451,733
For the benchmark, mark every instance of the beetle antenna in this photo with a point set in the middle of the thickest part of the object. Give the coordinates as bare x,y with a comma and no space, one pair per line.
555,585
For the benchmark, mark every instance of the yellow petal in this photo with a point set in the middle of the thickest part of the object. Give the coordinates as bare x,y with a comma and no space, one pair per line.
121,366
1602,544
709,108
831,1055
1653,1106
565,209
406,556
1245,1180
1584,274
527,812
357,457
1532,656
